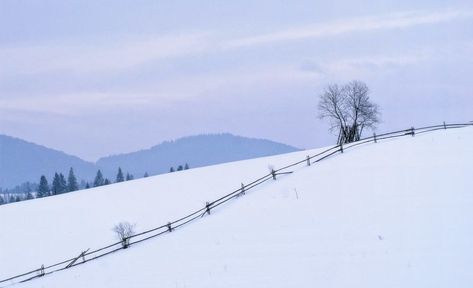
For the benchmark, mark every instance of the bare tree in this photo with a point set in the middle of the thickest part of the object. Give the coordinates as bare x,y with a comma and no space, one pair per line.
349,110
124,230
332,107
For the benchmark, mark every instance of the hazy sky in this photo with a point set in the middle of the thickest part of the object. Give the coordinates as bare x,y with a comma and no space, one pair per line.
94,78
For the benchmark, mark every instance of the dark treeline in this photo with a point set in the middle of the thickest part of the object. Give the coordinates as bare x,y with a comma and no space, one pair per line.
59,184
179,168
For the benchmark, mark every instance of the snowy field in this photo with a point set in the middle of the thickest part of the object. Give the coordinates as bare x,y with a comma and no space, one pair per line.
391,214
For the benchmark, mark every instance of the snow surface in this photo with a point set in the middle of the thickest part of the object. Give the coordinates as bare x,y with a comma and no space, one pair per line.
391,214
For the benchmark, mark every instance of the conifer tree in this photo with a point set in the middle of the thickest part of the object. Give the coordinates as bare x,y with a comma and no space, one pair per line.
43,188
87,186
98,181
146,175
72,184
1,200
62,184
59,184
171,169
106,182
186,166
55,186
120,177
179,168
129,177
29,196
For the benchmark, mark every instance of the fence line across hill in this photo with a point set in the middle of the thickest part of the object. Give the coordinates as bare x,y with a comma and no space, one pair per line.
87,256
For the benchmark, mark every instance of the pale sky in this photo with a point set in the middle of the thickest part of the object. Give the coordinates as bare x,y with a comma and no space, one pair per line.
94,78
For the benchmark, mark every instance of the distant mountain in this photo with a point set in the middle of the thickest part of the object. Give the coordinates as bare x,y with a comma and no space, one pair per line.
22,161
197,151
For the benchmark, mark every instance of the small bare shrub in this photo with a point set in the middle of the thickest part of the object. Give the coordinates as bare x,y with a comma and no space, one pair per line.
124,231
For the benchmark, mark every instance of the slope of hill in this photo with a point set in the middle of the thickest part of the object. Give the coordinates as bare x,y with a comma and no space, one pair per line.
22,161
197,151
391,214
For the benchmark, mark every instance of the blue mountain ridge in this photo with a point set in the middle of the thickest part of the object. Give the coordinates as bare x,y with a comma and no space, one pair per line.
22,161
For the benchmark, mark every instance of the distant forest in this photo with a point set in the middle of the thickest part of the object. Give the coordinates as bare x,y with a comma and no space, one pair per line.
61,185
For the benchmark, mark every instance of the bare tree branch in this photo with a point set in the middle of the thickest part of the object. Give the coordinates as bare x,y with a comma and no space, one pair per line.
124,230
349,110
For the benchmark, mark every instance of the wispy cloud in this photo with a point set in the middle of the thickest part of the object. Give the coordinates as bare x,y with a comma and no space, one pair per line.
380,61
120,54
202,87
74,104
104,57
370,23
212,85
99,55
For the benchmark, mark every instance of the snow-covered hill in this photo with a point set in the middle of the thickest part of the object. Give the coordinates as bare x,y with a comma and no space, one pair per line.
390,214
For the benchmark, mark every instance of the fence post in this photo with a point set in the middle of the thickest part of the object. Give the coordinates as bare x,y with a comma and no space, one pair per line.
169,227
413,131
374,137
273,173
41,271
82,254
308,160
207,206
444,125
125,242
242,189
341,147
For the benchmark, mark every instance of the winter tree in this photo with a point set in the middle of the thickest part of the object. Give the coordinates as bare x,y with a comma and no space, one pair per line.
123,231
63,183
1,200
55,186
171,169
99,181
120,177
106,182
43,188
179,168
72,184
186,166
129,177
59,184
349,110
146,175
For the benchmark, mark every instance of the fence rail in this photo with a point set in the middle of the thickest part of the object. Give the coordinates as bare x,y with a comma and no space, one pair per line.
87,255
